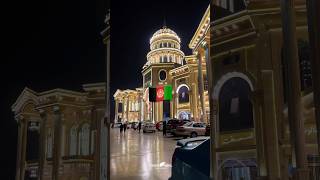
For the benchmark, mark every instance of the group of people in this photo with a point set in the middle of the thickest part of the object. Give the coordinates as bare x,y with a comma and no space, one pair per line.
124,126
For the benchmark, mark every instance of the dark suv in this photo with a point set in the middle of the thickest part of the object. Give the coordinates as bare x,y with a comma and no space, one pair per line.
174,123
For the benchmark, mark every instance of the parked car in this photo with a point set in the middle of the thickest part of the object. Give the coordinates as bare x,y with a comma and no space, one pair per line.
173,124
192,129
149,127
159,126
191,159
117,125
134,125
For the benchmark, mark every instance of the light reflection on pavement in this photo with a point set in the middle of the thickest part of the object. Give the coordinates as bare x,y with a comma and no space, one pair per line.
144,156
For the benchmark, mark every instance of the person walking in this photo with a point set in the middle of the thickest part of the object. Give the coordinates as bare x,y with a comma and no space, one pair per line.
139,126
125,127
121,128
164,128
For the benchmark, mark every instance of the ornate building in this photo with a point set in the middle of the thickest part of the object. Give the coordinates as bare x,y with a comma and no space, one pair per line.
251,127
128,105
58,133
167,65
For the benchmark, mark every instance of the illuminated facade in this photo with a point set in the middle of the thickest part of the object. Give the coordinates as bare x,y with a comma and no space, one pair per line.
167,65
251,127
128,105
58,133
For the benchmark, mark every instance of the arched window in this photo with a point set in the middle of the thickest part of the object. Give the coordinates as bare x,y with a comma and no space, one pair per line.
170,58
73,141
84,139
49,143
183,92
165,59
235,107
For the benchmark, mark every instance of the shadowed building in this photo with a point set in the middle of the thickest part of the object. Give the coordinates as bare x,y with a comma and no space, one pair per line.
58,133
251,127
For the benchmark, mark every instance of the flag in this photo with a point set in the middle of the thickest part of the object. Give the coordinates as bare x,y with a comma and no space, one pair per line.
152,94
168,92
160,93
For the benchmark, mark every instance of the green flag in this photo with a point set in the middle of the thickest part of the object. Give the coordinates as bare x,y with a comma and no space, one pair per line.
167,92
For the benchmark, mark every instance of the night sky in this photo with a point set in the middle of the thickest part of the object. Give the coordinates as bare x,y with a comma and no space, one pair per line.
52,44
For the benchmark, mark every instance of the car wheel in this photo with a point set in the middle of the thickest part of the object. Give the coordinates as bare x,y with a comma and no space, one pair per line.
193,134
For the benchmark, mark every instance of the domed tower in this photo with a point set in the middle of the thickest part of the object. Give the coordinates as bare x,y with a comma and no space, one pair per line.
164,55
165,47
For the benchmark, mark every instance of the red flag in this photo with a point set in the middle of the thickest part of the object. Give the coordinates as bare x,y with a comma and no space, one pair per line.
160,93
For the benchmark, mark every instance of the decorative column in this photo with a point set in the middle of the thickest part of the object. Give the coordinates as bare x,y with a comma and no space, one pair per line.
294,99
19,147
314,39
23,150
213,105
201,88
116,110
42,147
57,142
127,110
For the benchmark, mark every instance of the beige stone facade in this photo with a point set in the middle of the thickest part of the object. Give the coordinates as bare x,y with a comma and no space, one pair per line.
128,105
58,133
247,59
167,65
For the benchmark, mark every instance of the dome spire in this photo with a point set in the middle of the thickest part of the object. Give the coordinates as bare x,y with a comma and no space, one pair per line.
164,22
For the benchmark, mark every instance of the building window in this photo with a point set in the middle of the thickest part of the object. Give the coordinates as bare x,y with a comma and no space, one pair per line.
93,138
84,139
170,58
235,108
49,143
165,59
162,75
183,94
73,141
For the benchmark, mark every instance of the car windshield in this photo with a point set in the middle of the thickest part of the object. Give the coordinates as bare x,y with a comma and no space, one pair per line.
188,124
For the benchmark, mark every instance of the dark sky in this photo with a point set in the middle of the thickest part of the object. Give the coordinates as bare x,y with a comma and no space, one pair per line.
52,44
46,45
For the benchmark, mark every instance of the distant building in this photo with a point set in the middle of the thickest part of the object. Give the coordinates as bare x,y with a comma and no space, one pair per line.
167,65
128,105
58,133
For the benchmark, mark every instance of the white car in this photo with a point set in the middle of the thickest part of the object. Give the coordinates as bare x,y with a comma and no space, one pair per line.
149,127
192,129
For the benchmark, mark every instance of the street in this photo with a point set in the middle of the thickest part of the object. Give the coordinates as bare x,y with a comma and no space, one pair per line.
144,156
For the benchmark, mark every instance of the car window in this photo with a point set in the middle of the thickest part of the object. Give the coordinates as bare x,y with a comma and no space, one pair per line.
196,125
188,124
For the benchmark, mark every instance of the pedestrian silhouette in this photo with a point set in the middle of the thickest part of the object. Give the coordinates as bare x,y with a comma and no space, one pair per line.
164,128
125,127
121,128
139,126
